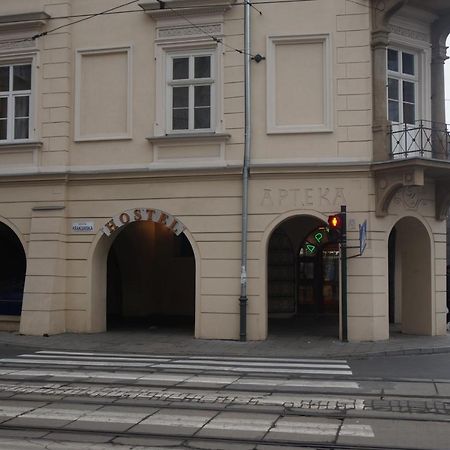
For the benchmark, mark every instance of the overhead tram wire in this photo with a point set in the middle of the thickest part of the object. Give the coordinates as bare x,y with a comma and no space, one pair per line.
177,10
214,38
111,12
44,33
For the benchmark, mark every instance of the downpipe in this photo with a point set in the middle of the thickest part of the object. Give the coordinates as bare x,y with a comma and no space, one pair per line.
243,299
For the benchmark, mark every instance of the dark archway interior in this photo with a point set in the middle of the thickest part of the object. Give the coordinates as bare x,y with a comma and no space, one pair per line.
150,278
391,271
410,283
12,272
303,289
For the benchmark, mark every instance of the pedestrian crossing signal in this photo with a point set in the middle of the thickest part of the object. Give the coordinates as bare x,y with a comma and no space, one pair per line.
335,227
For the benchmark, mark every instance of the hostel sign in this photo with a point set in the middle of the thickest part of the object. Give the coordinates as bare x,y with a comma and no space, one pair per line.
143,214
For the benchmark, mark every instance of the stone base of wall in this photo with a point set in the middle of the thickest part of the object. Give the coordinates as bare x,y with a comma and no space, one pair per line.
9,323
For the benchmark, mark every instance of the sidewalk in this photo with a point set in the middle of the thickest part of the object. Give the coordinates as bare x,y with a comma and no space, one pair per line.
281,343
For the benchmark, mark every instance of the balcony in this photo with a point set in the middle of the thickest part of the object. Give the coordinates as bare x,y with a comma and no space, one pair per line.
417,154
423,139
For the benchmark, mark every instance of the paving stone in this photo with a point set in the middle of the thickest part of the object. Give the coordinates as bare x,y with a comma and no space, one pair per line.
238,425
308,429
401,433
174,422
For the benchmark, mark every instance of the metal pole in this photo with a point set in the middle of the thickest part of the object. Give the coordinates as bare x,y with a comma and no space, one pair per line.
343,246
243,300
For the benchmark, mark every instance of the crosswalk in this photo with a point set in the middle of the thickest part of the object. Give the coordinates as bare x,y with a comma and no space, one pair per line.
171,395
191,363
191,371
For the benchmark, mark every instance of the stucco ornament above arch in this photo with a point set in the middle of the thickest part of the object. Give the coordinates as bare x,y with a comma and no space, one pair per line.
389,183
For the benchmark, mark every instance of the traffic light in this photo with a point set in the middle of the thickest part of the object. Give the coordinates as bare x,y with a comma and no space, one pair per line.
336,227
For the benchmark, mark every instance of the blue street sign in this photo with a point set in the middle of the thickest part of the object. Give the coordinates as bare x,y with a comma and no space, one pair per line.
362,237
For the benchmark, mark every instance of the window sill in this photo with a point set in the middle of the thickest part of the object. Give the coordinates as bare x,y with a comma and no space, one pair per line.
209,137
24,145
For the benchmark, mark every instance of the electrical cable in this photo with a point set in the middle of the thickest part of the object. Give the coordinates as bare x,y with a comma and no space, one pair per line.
214,38
111,11
44,33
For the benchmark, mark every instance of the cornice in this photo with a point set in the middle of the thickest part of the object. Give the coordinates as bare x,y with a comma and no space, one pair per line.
121,174
174,8
312,169
32,20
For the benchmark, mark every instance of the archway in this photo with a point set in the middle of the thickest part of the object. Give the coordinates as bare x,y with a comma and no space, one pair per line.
144,273
303,278
410,287
150,278
12,272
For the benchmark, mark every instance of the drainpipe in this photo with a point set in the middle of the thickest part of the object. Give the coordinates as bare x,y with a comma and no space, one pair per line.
243,300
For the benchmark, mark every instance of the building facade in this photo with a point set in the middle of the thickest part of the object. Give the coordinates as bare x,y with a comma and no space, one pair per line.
122,141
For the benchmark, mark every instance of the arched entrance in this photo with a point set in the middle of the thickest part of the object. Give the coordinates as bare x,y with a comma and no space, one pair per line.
12,272
143,273
303,278
410,289
150,278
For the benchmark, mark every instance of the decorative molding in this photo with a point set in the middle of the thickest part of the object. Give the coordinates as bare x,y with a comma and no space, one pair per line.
25,145
174,8
23,45
191,138
126,49
387,184
406,32
326,125
211,29
411,197
24,21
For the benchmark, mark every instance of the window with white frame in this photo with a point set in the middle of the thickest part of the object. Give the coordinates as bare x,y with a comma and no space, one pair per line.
15,99
191,84
403,84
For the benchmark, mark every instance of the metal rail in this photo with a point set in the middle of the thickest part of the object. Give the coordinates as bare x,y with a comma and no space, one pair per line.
423,138
186,439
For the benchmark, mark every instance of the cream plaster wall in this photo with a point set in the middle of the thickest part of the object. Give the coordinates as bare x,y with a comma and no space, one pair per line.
45,189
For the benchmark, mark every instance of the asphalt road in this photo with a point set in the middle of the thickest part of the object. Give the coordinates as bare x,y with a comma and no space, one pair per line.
101,401
436,366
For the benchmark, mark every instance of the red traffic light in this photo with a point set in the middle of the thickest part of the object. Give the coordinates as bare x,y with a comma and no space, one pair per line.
336,227
335,221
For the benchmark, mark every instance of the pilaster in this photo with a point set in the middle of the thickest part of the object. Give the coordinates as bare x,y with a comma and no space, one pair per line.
56,101
380,40
44,301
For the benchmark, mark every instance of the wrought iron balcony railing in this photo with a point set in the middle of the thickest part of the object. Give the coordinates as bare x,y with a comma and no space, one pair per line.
423,139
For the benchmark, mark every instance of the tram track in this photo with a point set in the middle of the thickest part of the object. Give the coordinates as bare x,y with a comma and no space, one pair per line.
189,442
59,383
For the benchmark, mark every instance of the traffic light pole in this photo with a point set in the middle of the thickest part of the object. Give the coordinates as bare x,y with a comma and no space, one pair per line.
343,246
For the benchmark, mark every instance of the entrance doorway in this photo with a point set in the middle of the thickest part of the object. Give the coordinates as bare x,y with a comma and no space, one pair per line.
12,272
303,278
150,278
410,290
